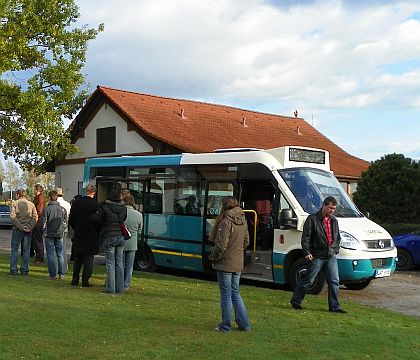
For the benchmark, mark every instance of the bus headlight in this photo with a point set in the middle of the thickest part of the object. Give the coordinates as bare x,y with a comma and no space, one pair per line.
349,241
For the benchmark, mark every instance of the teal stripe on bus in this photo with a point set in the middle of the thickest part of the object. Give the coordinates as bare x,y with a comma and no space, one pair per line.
134,161
279,272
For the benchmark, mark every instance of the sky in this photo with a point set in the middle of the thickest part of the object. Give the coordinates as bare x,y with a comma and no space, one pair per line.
350,68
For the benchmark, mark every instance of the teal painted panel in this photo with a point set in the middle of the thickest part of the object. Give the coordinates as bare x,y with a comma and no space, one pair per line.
279,273
363,269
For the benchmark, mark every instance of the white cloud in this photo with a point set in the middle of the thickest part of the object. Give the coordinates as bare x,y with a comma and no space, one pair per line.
319,56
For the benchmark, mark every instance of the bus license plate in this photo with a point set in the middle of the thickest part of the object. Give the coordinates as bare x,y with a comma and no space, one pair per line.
382,272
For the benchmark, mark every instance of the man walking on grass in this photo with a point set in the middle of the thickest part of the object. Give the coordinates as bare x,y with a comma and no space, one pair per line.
320,245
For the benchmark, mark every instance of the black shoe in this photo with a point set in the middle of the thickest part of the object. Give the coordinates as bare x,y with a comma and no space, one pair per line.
297,306
341,311
86,285
74,283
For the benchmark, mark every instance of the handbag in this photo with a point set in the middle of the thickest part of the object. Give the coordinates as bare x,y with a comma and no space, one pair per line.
126,233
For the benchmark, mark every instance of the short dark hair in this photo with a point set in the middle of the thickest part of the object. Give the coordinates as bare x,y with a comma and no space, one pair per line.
39,187
329,200
90,189
114,195
53,195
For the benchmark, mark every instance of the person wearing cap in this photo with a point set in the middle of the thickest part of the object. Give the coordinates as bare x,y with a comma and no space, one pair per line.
66,205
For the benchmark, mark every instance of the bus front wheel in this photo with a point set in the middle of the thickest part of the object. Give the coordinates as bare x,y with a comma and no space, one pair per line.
144,260
297,270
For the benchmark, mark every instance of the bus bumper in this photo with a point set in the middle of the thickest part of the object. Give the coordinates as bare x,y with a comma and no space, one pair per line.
361,269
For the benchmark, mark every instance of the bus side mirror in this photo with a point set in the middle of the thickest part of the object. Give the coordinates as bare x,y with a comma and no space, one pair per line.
287,221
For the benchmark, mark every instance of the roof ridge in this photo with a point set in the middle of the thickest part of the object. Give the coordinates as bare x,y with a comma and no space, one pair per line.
200,102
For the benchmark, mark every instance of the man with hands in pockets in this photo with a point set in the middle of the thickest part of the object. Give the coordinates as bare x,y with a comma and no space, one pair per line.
320,245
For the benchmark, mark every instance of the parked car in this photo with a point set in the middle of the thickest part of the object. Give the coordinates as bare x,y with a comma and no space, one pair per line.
408,248
5,219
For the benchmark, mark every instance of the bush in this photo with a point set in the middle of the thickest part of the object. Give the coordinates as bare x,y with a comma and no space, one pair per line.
401,228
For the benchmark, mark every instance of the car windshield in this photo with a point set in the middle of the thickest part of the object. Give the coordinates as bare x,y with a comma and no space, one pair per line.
312,186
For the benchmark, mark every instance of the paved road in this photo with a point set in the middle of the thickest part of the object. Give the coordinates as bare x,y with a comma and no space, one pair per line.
399,292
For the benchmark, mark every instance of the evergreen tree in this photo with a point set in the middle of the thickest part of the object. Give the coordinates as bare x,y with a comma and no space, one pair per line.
390,190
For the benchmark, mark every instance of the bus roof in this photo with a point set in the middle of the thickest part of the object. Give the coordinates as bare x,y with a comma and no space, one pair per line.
274,159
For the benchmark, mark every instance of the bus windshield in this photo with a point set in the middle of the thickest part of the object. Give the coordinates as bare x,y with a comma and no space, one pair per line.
312,186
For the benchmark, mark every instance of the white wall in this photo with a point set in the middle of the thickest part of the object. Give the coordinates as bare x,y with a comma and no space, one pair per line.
68,176
126,141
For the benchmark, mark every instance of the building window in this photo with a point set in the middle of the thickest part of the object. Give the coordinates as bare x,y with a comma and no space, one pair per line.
105,140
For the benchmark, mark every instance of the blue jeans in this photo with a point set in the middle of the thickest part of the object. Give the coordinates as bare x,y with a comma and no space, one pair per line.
330,268
17,237
229,294
54,248
114,253
129,257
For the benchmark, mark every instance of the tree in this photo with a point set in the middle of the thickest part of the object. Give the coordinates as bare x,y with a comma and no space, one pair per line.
12,176
30,178
390,190
41,57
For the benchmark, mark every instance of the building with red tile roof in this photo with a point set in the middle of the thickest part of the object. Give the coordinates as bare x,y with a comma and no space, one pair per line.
164,125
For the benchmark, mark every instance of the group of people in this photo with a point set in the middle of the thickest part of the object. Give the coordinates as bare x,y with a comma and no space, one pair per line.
85,222
89,220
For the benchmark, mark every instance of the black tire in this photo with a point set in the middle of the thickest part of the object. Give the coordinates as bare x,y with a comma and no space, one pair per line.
358,285
405,261
144,260
296,271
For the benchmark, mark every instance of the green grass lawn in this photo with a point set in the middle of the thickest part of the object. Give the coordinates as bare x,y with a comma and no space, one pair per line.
169,317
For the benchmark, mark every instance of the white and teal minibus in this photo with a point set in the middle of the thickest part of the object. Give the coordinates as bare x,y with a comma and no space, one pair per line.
180,197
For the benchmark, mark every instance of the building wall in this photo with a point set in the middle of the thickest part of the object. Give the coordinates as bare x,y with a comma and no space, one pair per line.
70,177
126,141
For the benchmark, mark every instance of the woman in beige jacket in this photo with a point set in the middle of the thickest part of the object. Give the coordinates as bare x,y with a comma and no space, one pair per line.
230,237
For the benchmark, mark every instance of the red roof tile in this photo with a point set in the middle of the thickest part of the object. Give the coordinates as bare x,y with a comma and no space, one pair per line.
202,127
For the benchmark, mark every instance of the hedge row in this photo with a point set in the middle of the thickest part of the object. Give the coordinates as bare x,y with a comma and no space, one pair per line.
399,229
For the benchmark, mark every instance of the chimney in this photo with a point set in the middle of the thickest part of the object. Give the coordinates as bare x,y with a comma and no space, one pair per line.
183,117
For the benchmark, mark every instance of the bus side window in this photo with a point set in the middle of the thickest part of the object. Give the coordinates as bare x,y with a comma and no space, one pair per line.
216,192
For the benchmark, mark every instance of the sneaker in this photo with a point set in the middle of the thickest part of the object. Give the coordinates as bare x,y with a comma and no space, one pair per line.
52,278
296,306
86,285
61,277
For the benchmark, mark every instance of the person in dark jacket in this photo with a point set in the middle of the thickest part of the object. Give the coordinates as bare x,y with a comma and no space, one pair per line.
54,224
320,245
230,237
85,240
110,216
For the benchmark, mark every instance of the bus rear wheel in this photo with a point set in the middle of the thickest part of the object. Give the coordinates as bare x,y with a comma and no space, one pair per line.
144,260
357,285
297,270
